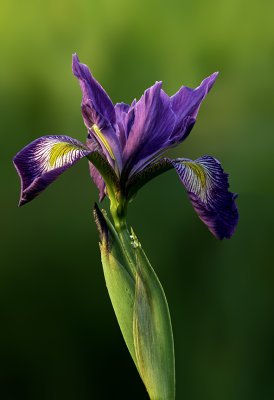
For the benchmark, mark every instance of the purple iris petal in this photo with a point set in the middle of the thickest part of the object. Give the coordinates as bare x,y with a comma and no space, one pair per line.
93,145
127,139
207,187
93,91
152,125
98,180
186,103
91,116
121,108
124,119
43,160
97,108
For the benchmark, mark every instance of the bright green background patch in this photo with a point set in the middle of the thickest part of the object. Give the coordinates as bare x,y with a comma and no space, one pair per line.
59,337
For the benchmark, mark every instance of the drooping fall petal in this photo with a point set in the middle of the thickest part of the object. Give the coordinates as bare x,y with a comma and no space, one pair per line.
43,160
207,187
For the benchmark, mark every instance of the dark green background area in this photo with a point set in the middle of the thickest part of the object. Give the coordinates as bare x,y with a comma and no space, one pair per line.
58,337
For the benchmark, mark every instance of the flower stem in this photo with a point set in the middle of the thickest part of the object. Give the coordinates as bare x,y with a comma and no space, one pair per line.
118,212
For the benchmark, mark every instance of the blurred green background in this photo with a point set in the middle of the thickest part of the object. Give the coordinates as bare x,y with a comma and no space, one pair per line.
58,337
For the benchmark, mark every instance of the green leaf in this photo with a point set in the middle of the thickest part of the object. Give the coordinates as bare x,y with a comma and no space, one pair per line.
153,339
120,287
119,278
140,306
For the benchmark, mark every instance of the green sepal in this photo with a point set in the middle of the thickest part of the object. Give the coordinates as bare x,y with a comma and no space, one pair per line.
153,338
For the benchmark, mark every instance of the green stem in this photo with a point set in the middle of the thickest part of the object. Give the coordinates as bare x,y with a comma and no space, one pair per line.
118,212
118,209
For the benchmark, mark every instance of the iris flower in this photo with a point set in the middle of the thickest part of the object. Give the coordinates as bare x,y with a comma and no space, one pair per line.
124,147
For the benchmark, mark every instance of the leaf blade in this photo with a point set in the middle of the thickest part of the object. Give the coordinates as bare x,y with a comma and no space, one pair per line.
152,331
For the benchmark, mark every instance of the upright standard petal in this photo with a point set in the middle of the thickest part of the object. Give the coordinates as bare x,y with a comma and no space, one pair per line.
43,160
149,134
207,187
98,112
124,119
93,91
186,103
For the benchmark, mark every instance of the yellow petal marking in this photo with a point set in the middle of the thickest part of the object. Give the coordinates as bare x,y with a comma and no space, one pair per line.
198,171
103,140
60,150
